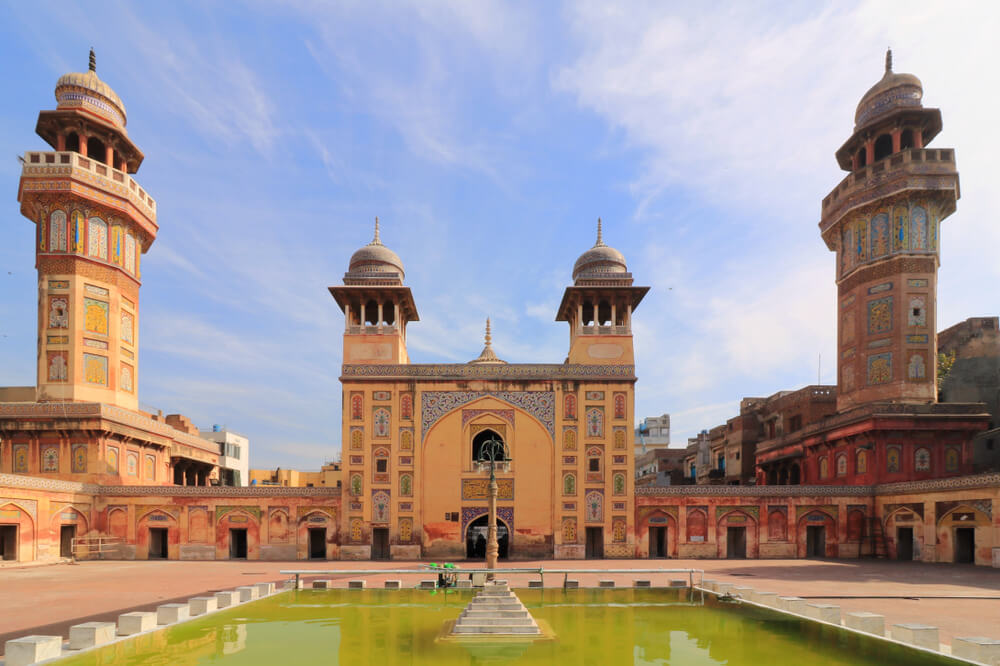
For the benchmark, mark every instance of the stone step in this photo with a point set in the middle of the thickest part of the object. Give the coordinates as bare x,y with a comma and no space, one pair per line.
496,607
495,613
512,621
495,629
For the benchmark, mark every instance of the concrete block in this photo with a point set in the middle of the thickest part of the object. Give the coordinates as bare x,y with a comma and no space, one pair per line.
606,583
428,584
743,592
724,588
534,583
642,583
478,579
792,604
975,648
249,592
322,584
708,584
29,649
870,623
264,589
227,598
202,605
765,598
921,635
392,585
355,584
136,623
825,612
91,634
463,583
572,584
679,582
290,584
170,613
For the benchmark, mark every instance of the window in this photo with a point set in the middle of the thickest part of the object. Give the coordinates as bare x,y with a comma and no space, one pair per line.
594,465
381,465
795,423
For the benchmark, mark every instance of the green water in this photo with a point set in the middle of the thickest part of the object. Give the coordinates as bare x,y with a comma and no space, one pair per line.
592,626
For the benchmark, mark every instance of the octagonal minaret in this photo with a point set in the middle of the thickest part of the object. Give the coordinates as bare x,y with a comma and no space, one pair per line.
883,221
94,221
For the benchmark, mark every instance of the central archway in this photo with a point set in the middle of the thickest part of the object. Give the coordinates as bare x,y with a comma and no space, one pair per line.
475,538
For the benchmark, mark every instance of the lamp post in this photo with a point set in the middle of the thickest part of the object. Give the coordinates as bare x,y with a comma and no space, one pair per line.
493,450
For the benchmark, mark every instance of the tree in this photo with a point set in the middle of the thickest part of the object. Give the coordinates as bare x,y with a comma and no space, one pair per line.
944,364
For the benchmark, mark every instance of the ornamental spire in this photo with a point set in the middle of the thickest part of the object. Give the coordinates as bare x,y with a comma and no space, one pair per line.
600,238
93,61
488,355
888,60
377,240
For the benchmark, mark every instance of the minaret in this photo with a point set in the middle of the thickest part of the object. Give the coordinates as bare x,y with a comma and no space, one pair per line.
376,305
599,307
883,222
93,223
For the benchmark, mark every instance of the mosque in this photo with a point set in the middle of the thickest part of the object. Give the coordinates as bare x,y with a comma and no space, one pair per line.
83,470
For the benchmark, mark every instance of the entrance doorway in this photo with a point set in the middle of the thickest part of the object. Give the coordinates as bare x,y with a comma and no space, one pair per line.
965,545
380,543
815,541
736,543
66,534
475,539
904,544
157,543
238,543
317,543
8,542
658,543
595,543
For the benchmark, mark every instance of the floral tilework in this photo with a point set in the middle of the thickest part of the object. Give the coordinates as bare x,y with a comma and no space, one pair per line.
540,404
880,368
880,315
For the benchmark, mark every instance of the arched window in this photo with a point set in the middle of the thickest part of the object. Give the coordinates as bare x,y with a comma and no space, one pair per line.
371,313
406,407
922,460
405,485
569,439
594,463
357,407
569,484
861,462
588,314
777,526
357,439
619,405
381,458
618,484
57,231
406,440
862,157
389,313
892,459
73,142
95,149
951,459
604,313
480,439
883,147
697,525
824,467
569,406
620,438
906,139
918,228
842,464
356,485
97,238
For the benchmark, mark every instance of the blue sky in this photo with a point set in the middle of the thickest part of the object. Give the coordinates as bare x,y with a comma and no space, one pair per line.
488,137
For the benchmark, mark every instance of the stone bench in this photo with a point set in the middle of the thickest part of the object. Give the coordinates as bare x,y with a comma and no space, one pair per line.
765,598
31,649
226,599
795,605
249,592
976,648
921,635
870,623
824,612
91,634
202,605
264,589
136,622
171,613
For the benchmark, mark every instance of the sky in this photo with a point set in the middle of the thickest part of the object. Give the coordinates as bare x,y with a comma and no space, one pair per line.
488,137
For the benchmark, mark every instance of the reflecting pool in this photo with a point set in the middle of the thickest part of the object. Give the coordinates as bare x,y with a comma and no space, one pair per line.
592,626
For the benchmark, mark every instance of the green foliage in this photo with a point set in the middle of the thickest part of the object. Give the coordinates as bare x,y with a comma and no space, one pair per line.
944,363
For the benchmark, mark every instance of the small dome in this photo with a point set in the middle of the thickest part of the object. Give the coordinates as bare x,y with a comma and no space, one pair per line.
87,90
599,259
892,92
376,258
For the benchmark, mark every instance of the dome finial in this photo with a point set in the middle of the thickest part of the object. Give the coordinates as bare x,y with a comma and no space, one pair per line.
888,60
377,240
600,238
489,338
93,60
488,356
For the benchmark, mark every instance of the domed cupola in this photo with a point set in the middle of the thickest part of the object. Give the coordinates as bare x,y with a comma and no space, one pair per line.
375,264
600,263
893,91
86,91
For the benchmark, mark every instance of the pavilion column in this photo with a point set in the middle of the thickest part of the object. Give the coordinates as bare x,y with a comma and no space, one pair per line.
83,143
363,321
395,314
347,317
380,315
613,314
109,153
918,138
579,315
896,139
61,142
869,151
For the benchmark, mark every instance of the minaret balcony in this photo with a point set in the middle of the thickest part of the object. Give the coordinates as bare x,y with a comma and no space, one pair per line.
605,330
92,173
914,167
384,329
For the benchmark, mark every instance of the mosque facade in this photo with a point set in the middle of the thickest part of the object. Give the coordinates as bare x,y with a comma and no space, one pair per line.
85,472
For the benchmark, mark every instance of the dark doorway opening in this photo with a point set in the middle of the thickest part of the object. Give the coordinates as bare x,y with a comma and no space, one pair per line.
736,543
8,542
658,543
66,534
317,543
157,543
904,544
595,543
965,545
475,539
481,438
815,541
380,543
238,543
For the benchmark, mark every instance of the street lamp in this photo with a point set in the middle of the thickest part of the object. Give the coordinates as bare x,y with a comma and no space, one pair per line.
493,451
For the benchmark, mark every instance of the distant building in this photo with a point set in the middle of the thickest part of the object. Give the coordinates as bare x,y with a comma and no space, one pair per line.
697,458
329,476
660,467
975,377
234,455
652,433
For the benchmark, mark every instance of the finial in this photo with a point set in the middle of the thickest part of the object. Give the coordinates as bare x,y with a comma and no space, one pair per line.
489,338
600,238
888,60
377,240
93,60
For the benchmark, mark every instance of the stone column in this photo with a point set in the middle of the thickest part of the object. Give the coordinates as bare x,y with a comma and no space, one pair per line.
492,548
